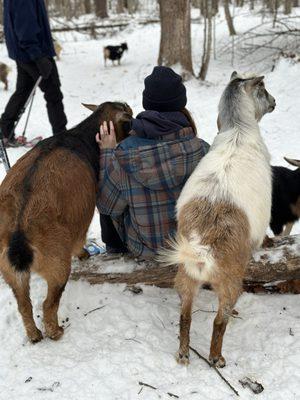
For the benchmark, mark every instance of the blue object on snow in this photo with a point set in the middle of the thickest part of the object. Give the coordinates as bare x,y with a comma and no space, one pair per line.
93,249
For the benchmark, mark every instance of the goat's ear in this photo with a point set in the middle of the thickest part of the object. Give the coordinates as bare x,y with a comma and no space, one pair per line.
257,80
92,107
295,163
233,75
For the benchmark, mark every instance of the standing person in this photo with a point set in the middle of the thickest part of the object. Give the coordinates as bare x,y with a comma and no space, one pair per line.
29,43
141,178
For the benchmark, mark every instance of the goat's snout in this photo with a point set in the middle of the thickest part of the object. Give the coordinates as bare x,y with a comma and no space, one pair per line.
272,103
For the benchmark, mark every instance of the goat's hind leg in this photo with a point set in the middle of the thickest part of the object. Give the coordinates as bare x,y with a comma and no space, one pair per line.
187,288
19,282
56,275
228,293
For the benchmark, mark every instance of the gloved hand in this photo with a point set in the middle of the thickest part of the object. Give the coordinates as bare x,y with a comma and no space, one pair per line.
44,66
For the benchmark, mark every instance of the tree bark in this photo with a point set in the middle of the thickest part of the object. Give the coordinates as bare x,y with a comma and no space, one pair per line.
287,7
101,8
207,39
268,266
229,19
132,6
87,6
175,39
1,13
120,7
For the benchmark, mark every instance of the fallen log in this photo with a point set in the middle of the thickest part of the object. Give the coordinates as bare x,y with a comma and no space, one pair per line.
274,269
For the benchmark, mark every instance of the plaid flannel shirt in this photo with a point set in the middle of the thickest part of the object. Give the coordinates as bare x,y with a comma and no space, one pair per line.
139,187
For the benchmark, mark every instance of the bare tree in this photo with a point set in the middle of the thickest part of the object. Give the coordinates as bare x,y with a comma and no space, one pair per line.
87,6
120,6
175,39
229,19
207,39
287,7
131,5
1,12
101,8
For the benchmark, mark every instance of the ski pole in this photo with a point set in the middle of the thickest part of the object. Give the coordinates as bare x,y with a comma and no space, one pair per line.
28,115
4,156
23,109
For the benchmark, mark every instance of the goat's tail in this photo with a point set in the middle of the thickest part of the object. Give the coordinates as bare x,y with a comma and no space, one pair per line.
20,253
197,259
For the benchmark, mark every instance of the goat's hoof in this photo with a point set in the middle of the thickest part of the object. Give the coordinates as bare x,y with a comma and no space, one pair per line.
55,334
183,359
218,362
84,255
268,242
35,337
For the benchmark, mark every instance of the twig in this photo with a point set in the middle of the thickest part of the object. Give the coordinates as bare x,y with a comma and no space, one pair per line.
95,309
216,369
161,322
134,340
207,311
141,389
155,388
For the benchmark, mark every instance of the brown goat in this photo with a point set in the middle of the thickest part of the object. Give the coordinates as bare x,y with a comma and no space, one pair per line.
47,201
4,71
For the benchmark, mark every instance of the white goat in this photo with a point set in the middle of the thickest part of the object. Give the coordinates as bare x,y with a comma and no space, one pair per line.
224,209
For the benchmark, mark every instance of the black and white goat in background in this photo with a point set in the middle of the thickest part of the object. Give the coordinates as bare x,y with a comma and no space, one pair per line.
285,198
114,53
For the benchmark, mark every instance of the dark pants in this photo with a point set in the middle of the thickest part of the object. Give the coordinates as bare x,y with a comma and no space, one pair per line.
26,79
110,235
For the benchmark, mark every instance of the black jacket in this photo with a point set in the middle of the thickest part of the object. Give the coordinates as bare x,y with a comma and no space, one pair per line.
27,30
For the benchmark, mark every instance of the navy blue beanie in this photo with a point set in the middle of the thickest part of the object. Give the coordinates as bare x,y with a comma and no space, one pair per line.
164,91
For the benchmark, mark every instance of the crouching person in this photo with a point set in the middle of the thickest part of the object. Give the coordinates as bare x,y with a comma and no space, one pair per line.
142,177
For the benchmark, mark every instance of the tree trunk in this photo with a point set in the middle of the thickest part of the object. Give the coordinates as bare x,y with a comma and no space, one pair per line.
207,39
101,8
1,13
275,268
132,6
175,39
287,7
229,19
120,7
275,12
87,6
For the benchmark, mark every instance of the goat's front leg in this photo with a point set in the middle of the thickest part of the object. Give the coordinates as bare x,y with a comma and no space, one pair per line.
228,293
186,288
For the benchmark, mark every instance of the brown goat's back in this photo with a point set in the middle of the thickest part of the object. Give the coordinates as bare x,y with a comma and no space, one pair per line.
54,200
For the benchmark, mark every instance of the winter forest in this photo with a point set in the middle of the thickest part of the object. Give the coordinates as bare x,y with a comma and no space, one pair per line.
120,319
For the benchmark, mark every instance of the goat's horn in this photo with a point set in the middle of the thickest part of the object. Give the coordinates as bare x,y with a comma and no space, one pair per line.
292,161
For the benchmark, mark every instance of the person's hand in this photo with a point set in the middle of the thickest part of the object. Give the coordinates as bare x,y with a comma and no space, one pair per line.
44,66
106,139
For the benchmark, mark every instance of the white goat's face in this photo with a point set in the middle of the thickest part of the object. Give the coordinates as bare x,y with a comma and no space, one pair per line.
263,101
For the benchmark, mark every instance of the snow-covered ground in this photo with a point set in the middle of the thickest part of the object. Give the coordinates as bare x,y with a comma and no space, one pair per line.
133,338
